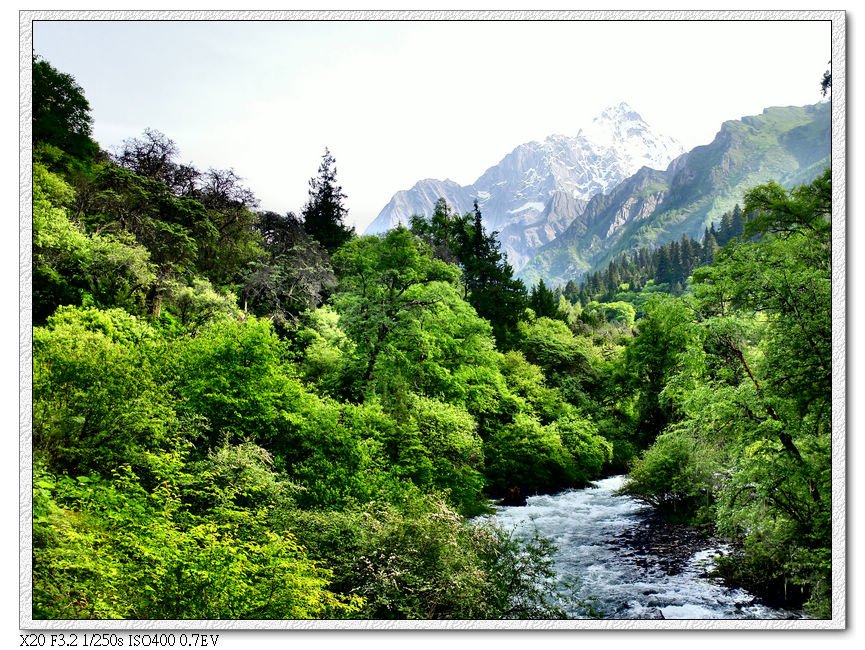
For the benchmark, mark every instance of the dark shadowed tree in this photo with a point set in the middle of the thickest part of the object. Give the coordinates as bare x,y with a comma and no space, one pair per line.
488,282
292,275
152,155
61,113
543,301
324,213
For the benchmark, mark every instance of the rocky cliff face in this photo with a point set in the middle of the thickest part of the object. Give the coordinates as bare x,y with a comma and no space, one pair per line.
539,188
533,230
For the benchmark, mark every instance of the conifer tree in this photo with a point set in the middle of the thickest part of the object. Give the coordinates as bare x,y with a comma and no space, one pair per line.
710,247
737,227
488,282
543,301
324,213
726,231
663,269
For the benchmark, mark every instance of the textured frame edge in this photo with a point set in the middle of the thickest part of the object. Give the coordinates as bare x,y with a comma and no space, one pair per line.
839,213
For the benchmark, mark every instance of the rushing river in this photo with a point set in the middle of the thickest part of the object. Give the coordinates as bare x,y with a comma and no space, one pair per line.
601,575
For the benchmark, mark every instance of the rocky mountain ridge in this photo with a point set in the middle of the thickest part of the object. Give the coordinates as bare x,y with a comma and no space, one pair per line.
790,145
534,193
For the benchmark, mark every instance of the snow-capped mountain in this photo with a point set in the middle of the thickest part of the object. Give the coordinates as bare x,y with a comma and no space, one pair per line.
790,145
536,191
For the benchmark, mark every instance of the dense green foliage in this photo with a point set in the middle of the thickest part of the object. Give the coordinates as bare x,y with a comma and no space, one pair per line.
487,278
742,390
241,414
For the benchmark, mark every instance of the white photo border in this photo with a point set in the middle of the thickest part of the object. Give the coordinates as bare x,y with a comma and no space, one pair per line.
839,316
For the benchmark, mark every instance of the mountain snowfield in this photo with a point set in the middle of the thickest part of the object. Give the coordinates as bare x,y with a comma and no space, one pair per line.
534,193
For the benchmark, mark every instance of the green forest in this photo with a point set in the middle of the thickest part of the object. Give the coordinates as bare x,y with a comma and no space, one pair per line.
239,414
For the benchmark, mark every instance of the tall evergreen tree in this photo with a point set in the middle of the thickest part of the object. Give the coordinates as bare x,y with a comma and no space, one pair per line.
543,301
663,270
710,248
725,234
737,227
677,272
688,255
324,213
488,282
572,291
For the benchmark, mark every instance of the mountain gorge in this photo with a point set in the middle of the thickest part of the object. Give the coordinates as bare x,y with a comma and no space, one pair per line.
790,145
534,193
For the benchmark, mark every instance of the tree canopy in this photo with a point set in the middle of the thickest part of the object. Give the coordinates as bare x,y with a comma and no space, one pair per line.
61,112
245,414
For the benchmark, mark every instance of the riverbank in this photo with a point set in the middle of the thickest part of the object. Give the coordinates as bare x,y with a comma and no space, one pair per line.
616,559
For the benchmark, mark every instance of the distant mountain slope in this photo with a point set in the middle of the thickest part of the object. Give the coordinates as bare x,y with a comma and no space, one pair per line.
788,144
537,189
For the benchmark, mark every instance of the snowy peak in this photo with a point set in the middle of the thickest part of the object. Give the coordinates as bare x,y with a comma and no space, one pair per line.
615,124
637,144
514,193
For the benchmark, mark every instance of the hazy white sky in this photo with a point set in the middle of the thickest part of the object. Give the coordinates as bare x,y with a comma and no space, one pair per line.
400,101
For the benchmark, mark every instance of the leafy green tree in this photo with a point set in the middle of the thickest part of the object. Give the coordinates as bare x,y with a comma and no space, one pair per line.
664,335
525,457
97,400
449,438
387,284
325,212
325,350
527,381
196,305
676,475
72,267
551,344
61,112
108,548
619,312
234,375
786,276
591,452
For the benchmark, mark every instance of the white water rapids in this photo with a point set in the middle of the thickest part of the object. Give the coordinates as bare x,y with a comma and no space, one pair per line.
596,579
